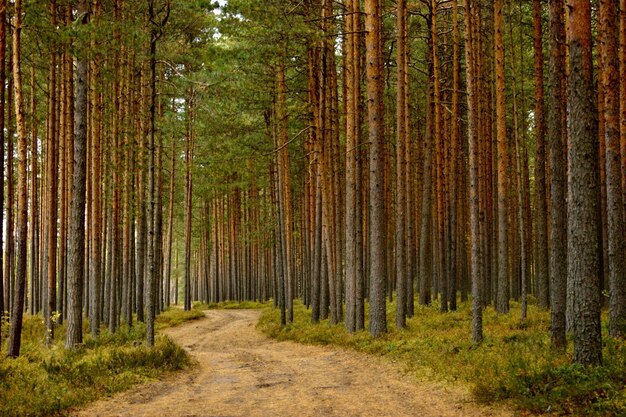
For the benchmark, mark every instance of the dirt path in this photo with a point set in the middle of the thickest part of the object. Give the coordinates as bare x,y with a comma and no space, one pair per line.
240,372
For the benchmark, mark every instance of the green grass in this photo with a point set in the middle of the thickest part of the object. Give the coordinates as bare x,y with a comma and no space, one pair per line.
51,380
514,363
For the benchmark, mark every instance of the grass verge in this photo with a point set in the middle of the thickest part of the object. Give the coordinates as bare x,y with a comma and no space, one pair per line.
51,380
514,363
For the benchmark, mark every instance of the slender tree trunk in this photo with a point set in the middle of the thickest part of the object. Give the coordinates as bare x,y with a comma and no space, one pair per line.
351,161
167,268
51,185
502,304
95,247
77,217
472,116
541,260
558,178
615,206
425,243
3,32
34,200
17,309
189,145
377,270
401,145
155,33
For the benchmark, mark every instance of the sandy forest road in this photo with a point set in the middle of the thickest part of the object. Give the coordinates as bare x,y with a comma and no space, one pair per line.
240,372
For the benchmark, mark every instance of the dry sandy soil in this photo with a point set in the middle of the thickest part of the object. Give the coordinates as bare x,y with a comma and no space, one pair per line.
239,372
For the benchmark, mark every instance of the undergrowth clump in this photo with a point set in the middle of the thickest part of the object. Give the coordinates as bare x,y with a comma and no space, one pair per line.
514,363
48,380
176,316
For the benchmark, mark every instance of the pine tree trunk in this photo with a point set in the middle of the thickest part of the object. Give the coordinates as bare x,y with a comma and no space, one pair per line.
541,250
3,32
615,206
376,237
17,308
401,145
472,98
558,178
188,197
77,214
502,305
583,269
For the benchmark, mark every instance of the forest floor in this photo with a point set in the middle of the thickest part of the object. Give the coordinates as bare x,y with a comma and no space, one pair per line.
240,372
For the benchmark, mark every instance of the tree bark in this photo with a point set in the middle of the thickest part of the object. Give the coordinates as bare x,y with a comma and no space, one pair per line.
582,264
472,98
558,177
541,243
615,207
377,270
401,145
17,308
76,242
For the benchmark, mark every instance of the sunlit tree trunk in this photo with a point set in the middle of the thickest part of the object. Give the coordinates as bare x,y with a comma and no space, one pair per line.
17,309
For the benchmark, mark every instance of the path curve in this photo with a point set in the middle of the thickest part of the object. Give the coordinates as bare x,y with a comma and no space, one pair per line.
241,373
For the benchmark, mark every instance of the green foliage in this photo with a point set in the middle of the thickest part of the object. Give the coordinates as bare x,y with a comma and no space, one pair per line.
514,363
46,380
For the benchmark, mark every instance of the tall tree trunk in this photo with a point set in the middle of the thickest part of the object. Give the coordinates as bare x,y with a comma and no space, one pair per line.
558,177
167,268
425,242
377,270
155,33
3,33
76,248
582,264
189,145
401,149
615,205
95,247
441,235
34,200
541,260
502,304
351,161
17,309
472,132
51,186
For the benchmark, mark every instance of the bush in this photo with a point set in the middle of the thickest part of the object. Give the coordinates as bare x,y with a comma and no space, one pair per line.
46,380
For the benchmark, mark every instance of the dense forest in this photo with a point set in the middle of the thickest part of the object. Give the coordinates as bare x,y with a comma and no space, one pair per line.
345,154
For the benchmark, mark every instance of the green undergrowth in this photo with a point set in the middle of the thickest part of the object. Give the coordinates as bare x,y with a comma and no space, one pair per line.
514,363
230,305
176,316
51,380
